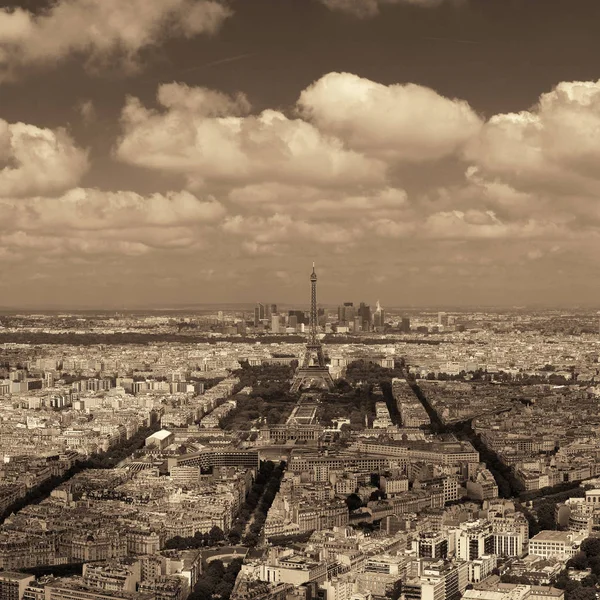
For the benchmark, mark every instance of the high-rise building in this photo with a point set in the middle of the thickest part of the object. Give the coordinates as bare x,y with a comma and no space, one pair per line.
293,321
378,316
259,313
364,312
443,319
473,540
405,325
300,316
275,324
49,379
273,308
346,312
432,545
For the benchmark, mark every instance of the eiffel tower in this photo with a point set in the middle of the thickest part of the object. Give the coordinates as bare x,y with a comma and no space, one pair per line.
312,371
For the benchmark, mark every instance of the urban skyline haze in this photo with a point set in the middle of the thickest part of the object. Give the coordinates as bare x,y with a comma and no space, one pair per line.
423,152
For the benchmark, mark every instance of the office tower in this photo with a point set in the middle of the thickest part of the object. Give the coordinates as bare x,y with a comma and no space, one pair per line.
364,312
321,318
259,313
443,319
405,325
346,312
273,308
350,312
299,314
312,371
293,321
220,316
378,316
275,323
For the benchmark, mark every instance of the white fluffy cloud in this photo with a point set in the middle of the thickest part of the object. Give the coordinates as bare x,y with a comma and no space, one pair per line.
90,221
100,29
330,204
202,136
91,209
283,229
370,8
38,161
556,143
350,178
407,122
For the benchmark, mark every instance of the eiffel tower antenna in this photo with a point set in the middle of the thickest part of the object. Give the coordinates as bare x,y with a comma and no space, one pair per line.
312,371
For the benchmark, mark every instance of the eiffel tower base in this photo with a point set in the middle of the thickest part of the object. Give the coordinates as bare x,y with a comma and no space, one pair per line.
312,378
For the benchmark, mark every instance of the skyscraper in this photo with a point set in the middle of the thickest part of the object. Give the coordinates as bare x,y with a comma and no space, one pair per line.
300,316
346,312
378,316
259,313
364,312
275,323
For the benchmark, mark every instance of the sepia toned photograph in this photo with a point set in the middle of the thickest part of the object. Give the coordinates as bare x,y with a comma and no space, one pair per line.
300,300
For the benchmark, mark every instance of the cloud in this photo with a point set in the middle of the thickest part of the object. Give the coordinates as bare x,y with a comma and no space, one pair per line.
283,229
91,209
554,145
100,30
93,222
345,177
202,102
87,110
370,8
56,246
322,203
38,161
405,122
201,135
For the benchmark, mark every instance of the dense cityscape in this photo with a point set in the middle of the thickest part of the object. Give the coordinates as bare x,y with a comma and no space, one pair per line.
343,453
299,300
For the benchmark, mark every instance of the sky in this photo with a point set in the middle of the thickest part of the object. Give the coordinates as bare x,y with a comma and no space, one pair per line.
421,152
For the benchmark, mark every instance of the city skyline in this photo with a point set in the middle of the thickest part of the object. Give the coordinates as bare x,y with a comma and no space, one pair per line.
441,153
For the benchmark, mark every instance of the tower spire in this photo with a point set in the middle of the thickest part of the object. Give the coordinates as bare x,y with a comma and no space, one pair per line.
313,367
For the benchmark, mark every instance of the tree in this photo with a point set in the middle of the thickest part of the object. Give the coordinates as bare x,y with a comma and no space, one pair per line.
591,546
589,581
250,539
582,593
594,564
235,535
353,502
579,561
216,535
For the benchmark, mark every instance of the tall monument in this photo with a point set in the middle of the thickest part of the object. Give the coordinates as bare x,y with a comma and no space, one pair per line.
312,371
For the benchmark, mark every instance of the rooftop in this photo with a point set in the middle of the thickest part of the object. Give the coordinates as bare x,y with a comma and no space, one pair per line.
163,434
